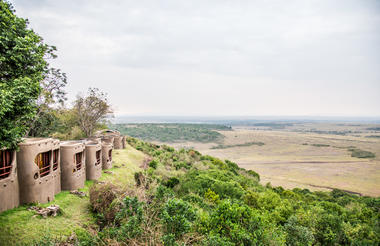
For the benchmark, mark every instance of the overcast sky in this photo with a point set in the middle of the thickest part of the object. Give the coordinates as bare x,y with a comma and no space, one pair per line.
217,57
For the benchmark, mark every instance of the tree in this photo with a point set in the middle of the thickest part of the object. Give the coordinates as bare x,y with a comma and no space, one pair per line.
52,94
23,66
92,110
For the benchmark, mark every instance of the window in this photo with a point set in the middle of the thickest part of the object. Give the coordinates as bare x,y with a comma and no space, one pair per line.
110,155
55,159
6,158
98,157
78,160
43,162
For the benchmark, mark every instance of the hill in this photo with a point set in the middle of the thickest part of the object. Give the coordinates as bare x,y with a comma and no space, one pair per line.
173,132
163,196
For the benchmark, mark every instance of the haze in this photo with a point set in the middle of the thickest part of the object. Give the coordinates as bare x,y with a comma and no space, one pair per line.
210,58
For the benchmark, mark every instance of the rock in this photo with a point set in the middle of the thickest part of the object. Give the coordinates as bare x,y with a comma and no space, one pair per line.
78,193
52,210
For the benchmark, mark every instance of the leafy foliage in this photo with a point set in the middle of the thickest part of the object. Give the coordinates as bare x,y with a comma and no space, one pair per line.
23,66
214,202
91,110
173,132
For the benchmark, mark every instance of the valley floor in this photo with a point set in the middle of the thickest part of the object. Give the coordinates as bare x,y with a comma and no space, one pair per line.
301,159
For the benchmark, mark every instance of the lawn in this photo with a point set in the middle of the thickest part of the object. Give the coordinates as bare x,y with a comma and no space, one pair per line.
22,227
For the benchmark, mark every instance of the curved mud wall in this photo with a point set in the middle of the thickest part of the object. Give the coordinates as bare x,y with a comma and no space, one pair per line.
73,165
118,142
9,187
93,160
56,166
124,142
36,184
107,155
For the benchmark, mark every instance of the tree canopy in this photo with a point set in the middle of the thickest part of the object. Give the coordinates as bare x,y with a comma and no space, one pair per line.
23,65
91,110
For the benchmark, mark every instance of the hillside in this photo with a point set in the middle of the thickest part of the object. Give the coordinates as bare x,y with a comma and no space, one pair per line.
173,132
161,196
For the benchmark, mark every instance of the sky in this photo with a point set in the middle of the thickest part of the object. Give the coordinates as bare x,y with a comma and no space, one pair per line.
217,57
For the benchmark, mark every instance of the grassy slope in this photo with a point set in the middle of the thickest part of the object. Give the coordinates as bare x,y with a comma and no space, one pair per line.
20,226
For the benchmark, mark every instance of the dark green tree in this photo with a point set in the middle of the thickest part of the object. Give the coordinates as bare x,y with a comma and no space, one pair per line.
23,65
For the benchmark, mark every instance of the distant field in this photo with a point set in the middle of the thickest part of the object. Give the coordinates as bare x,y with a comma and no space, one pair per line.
172,132
308,155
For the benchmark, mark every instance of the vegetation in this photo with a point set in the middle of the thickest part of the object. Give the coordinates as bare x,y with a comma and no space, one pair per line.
358,153
373,128
273,125
91,110
321,145
20,226
173,132
222,146
23,66
187,198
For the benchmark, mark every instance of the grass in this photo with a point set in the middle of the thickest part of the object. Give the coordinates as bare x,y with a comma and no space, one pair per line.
21,227
285,160
222,146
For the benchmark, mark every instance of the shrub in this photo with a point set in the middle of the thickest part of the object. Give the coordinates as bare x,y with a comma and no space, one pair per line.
297,235
211,196
177,217
164,193
153,164
358,153
227,189
171,182
254,174
129,218
236,222
216,240
101,200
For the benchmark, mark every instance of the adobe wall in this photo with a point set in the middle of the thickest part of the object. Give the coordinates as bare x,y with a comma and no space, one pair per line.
118,142
124,142
56,166
73,175
93,160
107,154
35,185
9,187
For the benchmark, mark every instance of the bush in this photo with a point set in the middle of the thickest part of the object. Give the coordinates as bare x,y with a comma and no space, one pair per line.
211,196
102,202
177,217
171,182
129,218
236,222
297,235
358,153
153,164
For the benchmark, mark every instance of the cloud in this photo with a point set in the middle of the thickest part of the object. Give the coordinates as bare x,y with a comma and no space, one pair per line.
162,50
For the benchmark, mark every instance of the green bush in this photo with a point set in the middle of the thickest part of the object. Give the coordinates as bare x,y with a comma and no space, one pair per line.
358,153
171,182
297,235
129,217
236,222
153,164
177,217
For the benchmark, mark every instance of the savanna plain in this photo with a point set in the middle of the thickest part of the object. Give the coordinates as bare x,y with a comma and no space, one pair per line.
312,155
